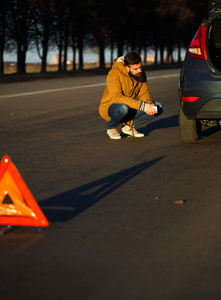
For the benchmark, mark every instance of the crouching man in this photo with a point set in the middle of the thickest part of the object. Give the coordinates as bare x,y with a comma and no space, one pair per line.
126,99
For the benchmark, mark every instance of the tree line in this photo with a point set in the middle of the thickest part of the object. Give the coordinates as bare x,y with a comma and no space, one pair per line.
41,25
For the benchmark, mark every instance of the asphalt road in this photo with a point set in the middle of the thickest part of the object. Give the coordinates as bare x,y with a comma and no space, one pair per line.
116,232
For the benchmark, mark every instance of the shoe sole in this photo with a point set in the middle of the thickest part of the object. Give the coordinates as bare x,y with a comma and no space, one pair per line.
132,134
115,138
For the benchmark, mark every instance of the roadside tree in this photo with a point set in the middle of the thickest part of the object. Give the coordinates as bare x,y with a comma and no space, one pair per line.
19,24
43,16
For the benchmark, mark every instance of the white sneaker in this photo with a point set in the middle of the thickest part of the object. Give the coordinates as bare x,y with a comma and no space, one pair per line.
131,131
114,134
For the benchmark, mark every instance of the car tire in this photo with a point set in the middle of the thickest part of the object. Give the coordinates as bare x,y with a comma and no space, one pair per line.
189,129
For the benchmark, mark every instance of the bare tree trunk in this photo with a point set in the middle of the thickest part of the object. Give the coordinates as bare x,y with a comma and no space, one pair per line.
112,50
145,54
1,61
156,54
101,54
179,54
74,58
65,49
60,57
120,48
80,49
161,55
21,56
44,57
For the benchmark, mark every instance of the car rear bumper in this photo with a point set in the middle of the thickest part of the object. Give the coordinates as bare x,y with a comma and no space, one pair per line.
197,82
210,110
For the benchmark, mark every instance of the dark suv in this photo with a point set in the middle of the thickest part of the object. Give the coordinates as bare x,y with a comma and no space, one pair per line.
200,78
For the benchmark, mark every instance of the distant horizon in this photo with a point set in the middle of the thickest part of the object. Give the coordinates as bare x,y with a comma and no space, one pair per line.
88,56
32,57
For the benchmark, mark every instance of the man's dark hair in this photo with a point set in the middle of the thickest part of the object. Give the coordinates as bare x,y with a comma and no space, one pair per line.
132,58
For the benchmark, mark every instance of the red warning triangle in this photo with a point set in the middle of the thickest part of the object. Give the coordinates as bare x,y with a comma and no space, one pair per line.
17,205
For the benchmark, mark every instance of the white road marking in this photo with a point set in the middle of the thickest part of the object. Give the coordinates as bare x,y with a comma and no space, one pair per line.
73,88
163,76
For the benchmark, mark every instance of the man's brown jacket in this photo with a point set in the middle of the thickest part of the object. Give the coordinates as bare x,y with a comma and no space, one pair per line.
121,88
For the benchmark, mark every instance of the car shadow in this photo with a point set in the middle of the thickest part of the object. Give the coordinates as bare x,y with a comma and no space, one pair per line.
65,206
160,124
208,131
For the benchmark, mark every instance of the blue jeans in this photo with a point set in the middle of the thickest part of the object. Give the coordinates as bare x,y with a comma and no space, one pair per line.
122,113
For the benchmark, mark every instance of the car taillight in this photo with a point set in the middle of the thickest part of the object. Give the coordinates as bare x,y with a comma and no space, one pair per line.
197,47
190,99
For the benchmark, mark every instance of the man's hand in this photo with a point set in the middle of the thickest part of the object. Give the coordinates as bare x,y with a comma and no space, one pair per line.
149,109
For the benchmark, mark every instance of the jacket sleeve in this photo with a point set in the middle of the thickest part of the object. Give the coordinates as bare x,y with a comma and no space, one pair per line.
116,91
144,94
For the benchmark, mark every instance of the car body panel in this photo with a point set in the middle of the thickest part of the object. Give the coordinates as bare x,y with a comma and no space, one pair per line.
200,78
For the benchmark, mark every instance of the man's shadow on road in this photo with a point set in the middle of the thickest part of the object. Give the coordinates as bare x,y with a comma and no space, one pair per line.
70,204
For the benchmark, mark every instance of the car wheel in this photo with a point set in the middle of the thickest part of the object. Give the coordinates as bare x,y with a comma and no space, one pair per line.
189,129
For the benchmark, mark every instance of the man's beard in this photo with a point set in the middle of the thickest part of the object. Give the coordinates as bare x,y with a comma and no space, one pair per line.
140,77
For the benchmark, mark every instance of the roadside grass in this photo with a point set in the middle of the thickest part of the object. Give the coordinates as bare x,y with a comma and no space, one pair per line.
33,71
36,68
